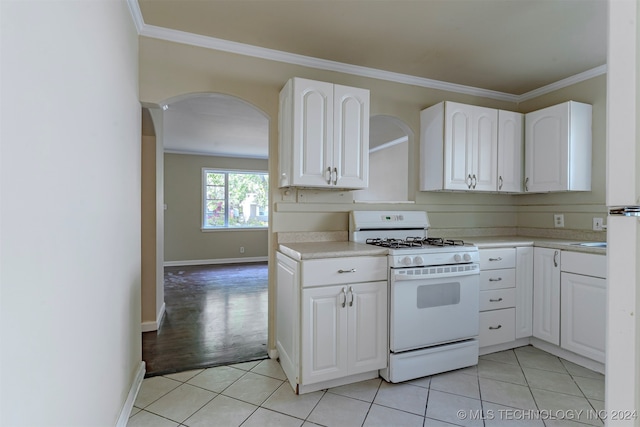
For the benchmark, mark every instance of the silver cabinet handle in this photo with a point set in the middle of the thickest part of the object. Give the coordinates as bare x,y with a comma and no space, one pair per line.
495,279
475,181
344,294
341,271
495,300
495,327
555,258
468,181
328,175
352,297
495,259
526,184
335,173
499,183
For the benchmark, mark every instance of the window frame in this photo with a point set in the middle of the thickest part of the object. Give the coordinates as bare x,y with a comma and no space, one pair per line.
203,198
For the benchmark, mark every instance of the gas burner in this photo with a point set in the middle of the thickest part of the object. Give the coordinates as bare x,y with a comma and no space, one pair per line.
394,243
439,241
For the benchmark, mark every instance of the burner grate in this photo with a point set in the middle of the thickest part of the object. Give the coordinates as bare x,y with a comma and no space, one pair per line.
439,241
413,242
394,243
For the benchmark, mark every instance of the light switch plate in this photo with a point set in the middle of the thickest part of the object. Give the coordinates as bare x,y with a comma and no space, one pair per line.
558,220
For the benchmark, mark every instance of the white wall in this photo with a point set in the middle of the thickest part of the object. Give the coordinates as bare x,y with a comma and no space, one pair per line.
70,212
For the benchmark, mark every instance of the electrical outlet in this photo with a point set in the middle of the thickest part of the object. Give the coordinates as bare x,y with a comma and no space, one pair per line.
241,249
558,220
597,224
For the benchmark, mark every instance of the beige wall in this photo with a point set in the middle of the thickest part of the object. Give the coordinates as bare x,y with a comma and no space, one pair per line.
184,239
170,69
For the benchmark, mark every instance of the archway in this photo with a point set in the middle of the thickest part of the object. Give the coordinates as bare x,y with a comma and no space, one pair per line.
222,133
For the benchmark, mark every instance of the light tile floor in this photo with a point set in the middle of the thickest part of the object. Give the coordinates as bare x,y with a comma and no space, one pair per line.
524,387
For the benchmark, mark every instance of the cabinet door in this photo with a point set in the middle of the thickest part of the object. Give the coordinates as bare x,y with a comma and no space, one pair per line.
546,295
312,133
546,149
584,300
524,292
367,327
458,146
287,312
510,145
324,334
485,149
350,137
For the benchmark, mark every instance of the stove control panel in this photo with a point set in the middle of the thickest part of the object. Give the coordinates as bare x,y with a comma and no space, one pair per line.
443,258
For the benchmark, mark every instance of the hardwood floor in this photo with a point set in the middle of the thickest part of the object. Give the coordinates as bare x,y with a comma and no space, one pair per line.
215,315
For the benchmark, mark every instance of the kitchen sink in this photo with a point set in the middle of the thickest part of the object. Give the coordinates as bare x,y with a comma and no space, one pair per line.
591,244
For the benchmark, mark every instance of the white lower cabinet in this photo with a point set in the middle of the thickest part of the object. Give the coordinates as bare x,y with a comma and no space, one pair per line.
332,326
554,295
497,296
546,295
583,306
506,294
344,330
524,291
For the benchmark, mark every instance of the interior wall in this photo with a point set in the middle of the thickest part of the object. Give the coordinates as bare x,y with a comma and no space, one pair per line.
185,242
70,212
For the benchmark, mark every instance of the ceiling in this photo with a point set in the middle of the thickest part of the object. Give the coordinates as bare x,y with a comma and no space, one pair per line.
215,124
507,46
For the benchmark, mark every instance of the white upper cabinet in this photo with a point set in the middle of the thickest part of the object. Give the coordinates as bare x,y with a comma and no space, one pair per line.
510,151
470,148
558,148
324,135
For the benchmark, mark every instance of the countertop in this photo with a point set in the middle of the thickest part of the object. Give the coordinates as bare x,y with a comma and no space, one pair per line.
543,242
320,250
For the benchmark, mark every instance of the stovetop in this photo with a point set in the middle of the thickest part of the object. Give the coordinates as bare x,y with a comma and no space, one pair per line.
414,242
426,251
404,234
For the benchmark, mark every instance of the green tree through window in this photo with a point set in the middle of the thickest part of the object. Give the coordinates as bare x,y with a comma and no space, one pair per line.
235,199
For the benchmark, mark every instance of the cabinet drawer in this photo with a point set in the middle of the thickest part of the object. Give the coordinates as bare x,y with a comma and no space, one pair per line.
497,258
582,263
497,326
497,299
497,279
333,271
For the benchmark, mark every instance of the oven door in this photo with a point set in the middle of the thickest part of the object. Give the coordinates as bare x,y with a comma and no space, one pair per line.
433,305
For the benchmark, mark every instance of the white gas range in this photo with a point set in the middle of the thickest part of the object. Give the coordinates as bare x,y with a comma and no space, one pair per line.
433,294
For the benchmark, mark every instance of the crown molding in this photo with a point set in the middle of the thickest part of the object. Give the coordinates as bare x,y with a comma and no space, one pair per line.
213,43
136,14
585,75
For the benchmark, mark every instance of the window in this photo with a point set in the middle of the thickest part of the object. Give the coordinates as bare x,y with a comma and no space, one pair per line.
233,199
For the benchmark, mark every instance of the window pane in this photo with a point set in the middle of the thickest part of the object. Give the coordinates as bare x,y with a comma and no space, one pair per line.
214,192
215,178
248,194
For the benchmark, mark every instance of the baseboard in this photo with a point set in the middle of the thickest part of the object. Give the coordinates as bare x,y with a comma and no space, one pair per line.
568,355
154,325
216,261
125,413
504,346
